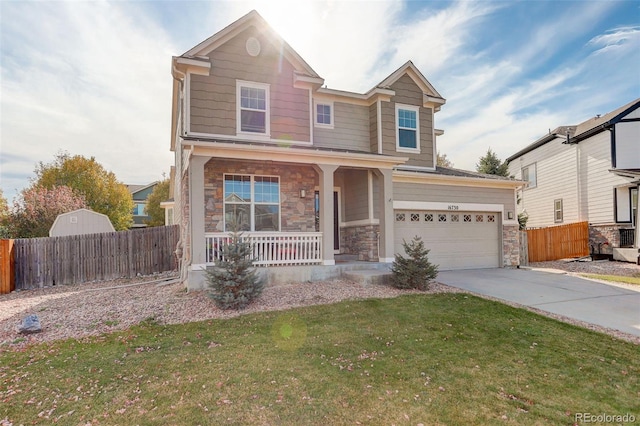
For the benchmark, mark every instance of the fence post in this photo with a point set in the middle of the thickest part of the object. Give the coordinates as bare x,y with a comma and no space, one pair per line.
7,267
130,253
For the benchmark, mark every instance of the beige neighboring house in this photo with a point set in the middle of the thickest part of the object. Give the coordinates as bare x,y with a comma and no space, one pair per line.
315,176
80,222
589,172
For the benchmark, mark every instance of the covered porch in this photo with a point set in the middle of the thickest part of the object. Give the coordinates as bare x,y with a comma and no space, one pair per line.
294,204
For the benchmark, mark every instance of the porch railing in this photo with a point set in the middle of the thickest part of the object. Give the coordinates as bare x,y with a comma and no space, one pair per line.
627,237
271,248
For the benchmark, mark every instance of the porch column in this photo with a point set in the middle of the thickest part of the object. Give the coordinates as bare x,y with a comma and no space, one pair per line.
385,250
196,214
325,174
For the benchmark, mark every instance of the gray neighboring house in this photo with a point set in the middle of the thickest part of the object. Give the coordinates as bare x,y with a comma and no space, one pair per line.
587,172
80,222
140,193
314,175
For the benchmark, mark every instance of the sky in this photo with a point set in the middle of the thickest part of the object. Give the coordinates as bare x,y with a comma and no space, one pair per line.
93,77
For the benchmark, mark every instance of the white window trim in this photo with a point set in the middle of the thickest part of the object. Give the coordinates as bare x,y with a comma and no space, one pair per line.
533,166
252,203
315,114
556,210
267,124
415,108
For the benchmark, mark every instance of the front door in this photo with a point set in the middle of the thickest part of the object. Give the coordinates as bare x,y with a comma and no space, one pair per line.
336,218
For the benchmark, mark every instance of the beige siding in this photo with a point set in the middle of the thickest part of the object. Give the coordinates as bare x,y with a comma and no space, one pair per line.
597,182
403,191
213,97
408,93
356,195
556,171
373,127
350,129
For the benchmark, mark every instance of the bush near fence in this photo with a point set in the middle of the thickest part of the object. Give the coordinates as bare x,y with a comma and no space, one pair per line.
42,262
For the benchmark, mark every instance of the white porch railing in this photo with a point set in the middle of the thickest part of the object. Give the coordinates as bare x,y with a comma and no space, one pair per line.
271,248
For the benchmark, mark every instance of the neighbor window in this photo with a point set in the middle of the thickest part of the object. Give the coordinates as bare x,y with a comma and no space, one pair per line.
557,211
138,209
253,107
634,206
529,175
324,114
407,128
251,203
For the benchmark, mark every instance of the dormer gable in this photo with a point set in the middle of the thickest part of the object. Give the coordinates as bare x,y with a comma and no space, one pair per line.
431,97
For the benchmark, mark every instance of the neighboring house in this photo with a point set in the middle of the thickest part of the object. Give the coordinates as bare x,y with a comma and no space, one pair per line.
310,174
80,222
589,172
140,193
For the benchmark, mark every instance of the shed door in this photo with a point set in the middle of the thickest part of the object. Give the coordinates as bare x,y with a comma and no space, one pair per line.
457,240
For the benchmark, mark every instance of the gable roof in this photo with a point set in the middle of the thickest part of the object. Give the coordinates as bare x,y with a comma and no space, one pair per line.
412,71
582,131
137,188
254,19
599,123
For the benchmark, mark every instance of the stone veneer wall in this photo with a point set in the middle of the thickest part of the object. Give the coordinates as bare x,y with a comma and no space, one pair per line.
296,214
510,245
606,236
361,240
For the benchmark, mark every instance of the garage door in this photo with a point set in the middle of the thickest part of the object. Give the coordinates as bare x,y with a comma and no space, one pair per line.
457,240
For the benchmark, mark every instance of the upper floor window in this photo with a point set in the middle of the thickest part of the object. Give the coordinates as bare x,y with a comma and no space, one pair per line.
407,128
138,209
324,114
529,175
253,107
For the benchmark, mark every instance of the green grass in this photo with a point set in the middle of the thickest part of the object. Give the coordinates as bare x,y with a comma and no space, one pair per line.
614,278
430,359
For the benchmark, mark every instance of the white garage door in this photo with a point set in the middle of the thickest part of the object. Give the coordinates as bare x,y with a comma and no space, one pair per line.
457,240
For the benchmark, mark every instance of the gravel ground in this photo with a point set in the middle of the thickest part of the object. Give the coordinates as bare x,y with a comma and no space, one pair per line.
94,308
603,267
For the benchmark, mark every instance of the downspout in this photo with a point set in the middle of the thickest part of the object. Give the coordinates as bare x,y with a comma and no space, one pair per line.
180,246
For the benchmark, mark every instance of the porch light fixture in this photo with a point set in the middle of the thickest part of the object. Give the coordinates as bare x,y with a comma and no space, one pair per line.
303,193
509,215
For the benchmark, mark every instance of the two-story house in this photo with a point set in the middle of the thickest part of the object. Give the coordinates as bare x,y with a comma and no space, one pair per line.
589,172
309,173
139,194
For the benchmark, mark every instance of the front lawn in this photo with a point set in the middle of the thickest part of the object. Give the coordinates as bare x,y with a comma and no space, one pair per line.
430,359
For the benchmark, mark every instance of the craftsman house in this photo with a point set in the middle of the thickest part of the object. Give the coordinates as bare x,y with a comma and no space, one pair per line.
589,172
311,174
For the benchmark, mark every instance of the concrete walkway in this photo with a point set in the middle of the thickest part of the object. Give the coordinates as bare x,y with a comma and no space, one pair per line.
581,299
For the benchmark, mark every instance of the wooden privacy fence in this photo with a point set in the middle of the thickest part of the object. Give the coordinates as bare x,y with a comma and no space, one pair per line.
558,242
41,262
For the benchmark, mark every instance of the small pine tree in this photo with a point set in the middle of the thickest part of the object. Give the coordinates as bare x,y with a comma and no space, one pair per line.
233,281
414,271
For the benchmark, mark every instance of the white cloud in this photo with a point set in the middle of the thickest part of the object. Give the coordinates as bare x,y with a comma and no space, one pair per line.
88,78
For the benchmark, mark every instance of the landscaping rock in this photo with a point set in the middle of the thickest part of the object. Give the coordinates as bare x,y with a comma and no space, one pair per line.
30,324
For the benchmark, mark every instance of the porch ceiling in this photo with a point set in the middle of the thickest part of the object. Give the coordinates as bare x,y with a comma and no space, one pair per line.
288,154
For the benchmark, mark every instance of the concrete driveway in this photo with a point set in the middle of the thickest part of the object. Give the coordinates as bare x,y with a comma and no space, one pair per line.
558,293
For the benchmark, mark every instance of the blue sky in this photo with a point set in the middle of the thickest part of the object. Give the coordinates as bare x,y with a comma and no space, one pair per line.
93,78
